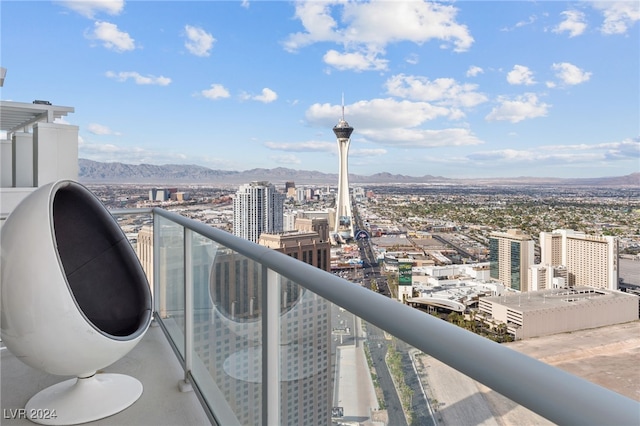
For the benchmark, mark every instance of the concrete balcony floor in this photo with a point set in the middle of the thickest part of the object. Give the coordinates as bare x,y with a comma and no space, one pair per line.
152,361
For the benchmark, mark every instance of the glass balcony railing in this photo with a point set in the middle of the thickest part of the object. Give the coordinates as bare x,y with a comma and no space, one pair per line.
266,339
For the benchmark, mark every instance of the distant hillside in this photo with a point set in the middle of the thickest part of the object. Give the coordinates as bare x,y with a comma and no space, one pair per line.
94,171
614,181
98,172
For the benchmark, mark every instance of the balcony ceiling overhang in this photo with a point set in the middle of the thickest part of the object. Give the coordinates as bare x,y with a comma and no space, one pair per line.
15,116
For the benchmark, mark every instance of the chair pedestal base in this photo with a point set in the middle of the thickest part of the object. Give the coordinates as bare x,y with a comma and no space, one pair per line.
84,400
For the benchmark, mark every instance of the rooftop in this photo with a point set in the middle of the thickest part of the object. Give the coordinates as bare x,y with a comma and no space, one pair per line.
554,298
16,115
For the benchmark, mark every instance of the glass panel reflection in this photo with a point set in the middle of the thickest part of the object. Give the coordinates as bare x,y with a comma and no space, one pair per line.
228,327
170,258
306,374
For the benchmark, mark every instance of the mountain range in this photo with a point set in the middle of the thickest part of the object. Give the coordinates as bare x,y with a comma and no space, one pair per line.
98,172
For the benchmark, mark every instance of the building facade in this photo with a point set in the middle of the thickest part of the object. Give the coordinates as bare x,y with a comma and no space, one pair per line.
589,260
38,149
257,207
301,245
540,313
510,256
542,277
314,224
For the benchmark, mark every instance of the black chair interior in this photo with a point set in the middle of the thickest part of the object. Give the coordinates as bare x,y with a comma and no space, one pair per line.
102,270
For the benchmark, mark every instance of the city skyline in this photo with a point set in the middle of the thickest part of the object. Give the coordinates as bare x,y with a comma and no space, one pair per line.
467,89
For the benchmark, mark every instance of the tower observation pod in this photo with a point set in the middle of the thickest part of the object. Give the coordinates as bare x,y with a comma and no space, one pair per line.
344,224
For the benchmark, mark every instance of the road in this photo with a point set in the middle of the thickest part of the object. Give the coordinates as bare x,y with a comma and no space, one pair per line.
378,349
378,346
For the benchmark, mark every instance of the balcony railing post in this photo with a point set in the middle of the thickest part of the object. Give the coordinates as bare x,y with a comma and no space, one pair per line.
188,302
156,263
270,347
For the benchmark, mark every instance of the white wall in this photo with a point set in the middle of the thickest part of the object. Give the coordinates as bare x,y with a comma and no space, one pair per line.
55,152
31,160
22,156
6,165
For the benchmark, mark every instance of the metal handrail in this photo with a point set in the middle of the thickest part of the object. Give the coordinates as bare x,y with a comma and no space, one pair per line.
558,396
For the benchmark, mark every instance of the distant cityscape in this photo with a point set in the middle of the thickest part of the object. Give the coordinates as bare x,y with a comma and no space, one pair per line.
430,226
509,260
467,254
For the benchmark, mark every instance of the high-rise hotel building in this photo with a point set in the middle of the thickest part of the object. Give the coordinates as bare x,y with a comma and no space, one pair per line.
589,260
510,256
257,207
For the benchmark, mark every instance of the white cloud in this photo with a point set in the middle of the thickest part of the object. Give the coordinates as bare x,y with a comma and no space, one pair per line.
125,154
563,154
393,123
574,23
520,75
381,23
376,114
442,91
199,42
99,129
367,152
619,16
521,108
309,146
366,28
90,8
422,138
216,91
474,71
138,78
532,156
354,61
111,37
531,20
287,159
267,96
627,148
570,74
520,24
330,147
412,59
316,19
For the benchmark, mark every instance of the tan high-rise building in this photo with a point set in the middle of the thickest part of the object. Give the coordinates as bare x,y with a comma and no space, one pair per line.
290,189
304,246
510,256
144,249
314,224
590,260
550,248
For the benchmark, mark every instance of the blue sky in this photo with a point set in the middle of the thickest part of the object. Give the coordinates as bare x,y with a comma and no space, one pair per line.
456,89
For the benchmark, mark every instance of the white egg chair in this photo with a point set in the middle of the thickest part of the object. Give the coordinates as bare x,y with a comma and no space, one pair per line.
74,299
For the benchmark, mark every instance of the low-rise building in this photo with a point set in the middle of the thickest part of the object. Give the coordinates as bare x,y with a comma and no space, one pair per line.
540,313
